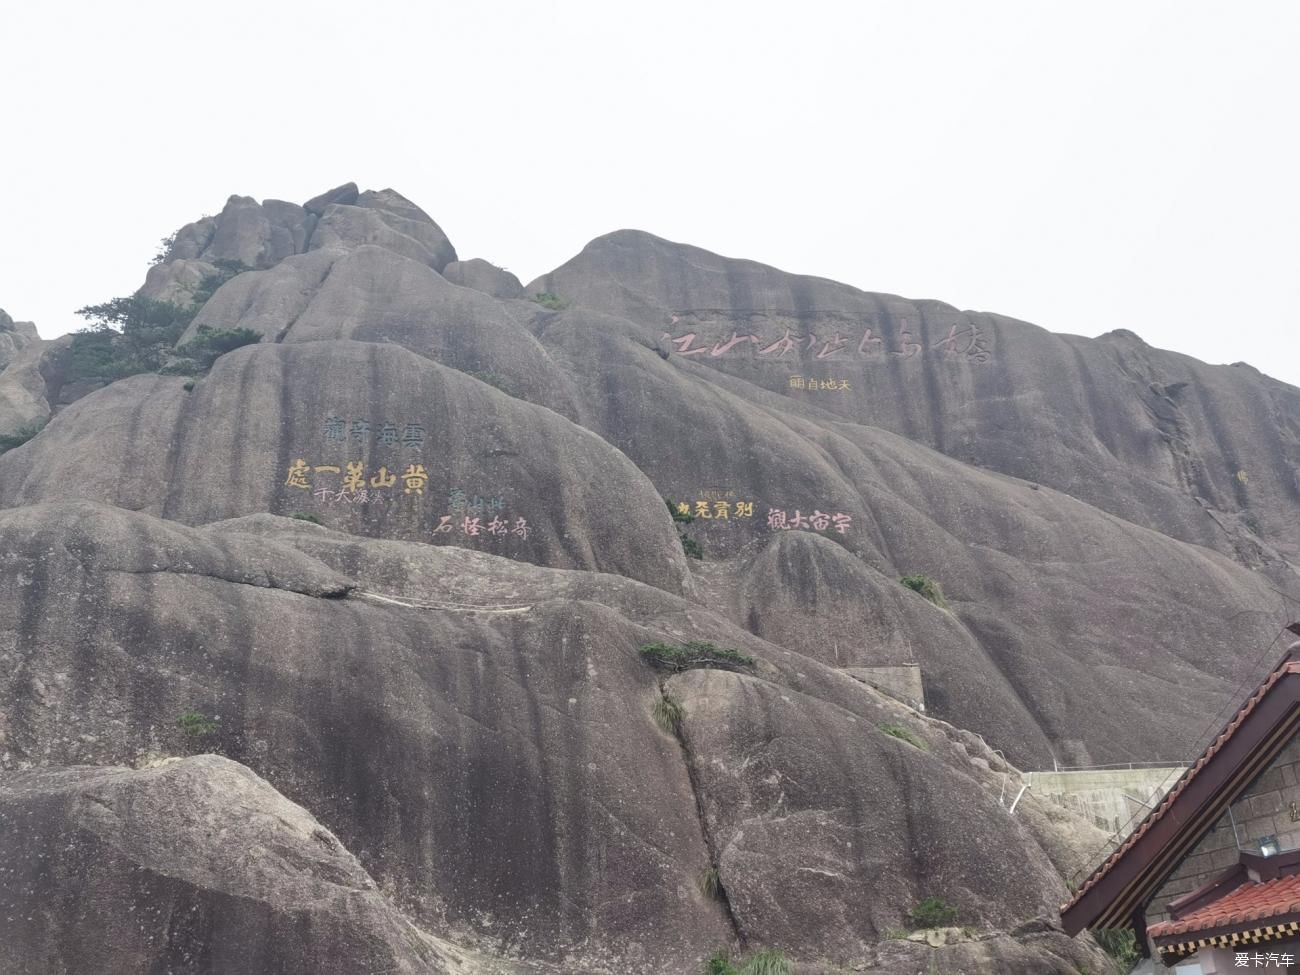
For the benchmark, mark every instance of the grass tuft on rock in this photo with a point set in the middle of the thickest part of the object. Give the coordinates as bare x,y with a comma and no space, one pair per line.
692,548
933,912
668,714
693,655
927,587
195,724
710,883
305,516
767,962
904,734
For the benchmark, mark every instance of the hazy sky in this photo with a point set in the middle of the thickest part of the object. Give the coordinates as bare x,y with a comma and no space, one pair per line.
1086,167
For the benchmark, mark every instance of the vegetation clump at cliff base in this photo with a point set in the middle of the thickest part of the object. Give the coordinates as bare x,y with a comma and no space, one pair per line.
766,962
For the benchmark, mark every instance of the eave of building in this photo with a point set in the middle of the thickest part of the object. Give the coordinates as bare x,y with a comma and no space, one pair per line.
1118,890
1229,936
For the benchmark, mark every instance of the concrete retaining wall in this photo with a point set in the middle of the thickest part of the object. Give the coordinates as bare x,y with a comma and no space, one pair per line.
1109,797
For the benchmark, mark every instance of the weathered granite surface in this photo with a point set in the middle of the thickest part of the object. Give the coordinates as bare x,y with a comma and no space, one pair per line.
445,674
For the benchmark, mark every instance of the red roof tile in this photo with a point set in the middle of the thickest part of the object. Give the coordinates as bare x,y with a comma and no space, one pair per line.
1287,667
1249,902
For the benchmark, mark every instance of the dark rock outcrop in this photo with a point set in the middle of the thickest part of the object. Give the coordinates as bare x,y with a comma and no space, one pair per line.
23,390
482,276
345,195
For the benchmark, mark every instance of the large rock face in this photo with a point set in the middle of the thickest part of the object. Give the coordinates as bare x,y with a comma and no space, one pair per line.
1204,453
382,442
480,731
445,670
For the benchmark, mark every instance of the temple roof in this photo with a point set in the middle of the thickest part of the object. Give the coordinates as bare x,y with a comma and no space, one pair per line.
1248,903
1130,876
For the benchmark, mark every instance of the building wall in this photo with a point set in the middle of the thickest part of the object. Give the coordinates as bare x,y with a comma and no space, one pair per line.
1264,809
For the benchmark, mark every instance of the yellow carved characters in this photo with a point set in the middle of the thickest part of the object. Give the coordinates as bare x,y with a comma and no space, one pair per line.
298,472
354,477
716,510
415,478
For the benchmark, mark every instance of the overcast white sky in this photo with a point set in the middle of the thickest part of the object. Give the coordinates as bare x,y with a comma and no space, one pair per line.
1086,167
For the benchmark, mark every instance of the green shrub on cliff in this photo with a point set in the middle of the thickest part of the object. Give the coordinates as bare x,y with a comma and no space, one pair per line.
692,548
8,441
126,336
927,587
685,517
933,912
195,724
548,300
135,334
1120,944
904,734
693,655
200,352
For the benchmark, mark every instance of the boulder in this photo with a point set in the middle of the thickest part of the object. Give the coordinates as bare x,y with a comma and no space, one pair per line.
804,803
350,227
371,294
176,281
345,195
268,301
258,235
192,240
482,276
24,391
193,864
14,337
409,220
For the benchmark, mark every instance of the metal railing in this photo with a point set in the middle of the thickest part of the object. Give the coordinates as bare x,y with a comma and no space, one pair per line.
1119,766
